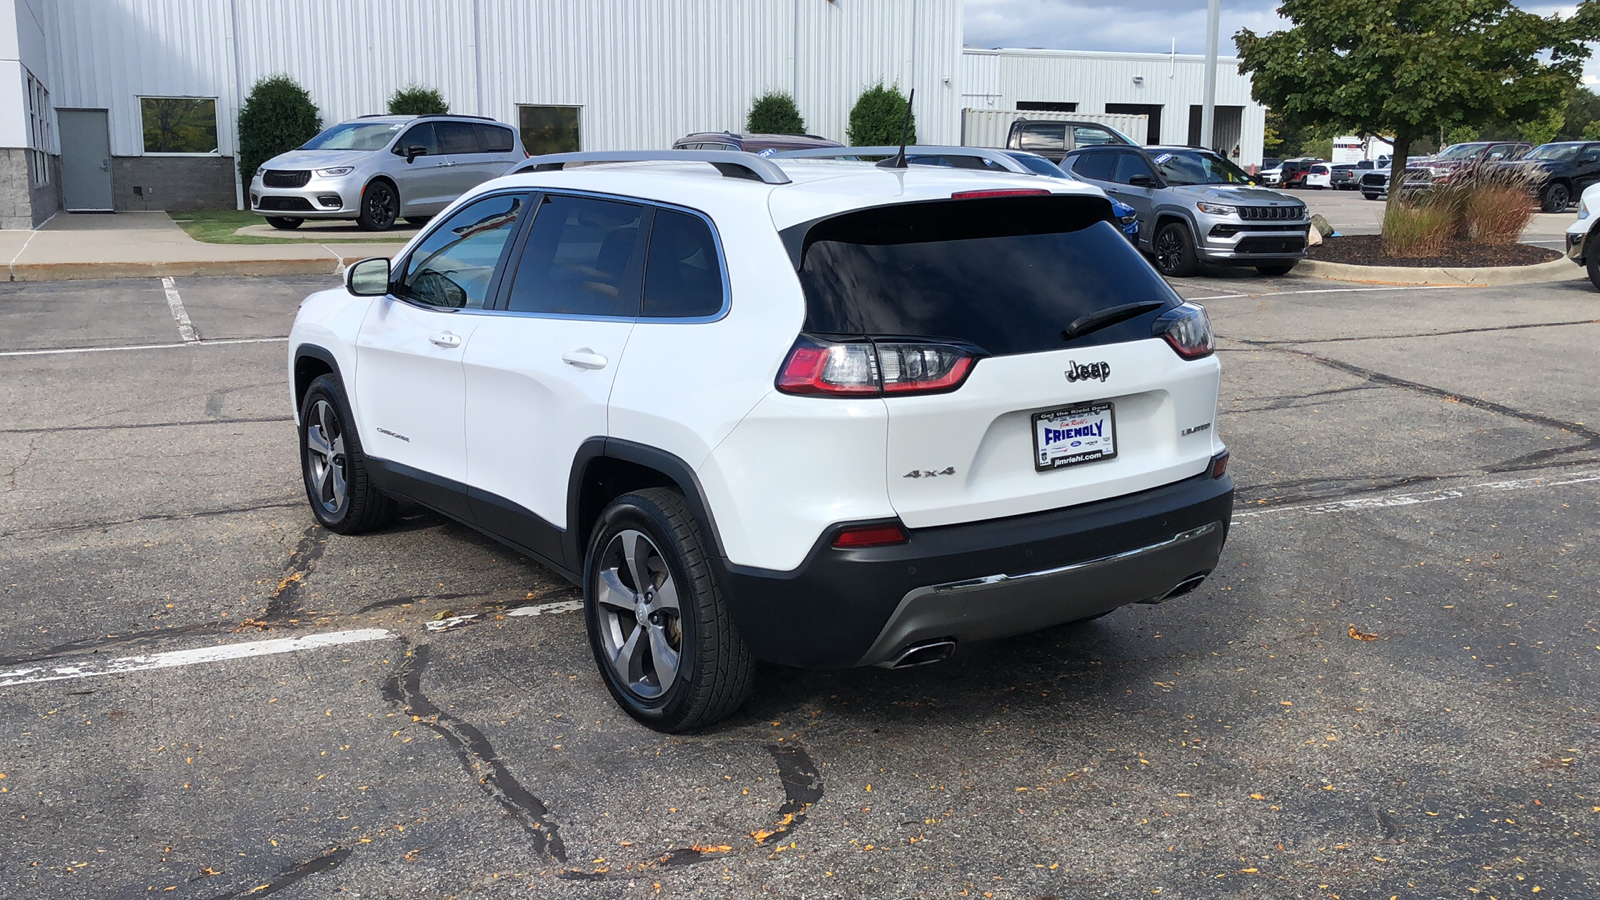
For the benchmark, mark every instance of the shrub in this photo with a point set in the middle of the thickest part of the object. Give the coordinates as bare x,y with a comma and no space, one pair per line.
878,117
774,113
1417,228
416,100
276,117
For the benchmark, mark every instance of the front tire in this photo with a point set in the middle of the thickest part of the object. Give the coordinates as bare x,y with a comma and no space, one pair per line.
1554,198
380,206
418,221
1593,268
1174,251
283,223
658,624
1276,270
338,483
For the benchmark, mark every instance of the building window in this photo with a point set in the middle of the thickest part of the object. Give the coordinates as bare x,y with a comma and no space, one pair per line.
1046,106
179,124
41,132
549,129
1153,110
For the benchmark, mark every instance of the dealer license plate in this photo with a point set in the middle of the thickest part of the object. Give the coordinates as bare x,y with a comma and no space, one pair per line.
1073,436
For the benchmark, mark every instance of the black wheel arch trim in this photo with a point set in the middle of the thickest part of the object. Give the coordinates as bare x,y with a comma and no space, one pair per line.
680,473
320,354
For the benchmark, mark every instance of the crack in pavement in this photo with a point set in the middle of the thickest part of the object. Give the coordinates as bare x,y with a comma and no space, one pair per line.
328,861
11,476
1428,334
153,517
404,689
285,601
1291,401
199,422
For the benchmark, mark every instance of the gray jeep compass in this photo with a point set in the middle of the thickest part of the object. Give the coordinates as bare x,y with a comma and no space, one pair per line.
378,168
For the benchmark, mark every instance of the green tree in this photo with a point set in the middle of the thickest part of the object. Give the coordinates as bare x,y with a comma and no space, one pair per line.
1583,109
879,116
277,116
1415,67
416,100
774,113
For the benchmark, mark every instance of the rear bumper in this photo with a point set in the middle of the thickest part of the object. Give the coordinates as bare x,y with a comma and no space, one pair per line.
981,580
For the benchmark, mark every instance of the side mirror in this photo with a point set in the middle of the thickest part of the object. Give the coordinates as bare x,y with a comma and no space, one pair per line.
414,151
1141,180
368,278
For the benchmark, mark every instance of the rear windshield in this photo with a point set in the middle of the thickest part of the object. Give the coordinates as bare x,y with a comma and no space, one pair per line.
1007,274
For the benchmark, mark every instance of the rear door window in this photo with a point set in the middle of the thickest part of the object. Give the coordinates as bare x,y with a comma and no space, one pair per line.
683,273
494,139
456,137
582,257
1043,138
1006,274
1094,165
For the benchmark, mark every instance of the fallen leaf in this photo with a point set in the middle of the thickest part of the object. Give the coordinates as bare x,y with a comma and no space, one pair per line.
1361,635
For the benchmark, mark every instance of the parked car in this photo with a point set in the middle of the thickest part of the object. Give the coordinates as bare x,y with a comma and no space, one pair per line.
1583,235
771,409
1374,183
1292,173
1560,171
377,169
1272,176
1342,177
1458,158
751,143
1197,207
1319,176
1054,139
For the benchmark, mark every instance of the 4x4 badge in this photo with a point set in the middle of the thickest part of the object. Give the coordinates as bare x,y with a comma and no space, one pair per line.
1078,372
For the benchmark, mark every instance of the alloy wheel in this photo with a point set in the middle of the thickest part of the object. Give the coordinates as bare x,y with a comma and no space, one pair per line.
380,205
325,459
641,629
1169,250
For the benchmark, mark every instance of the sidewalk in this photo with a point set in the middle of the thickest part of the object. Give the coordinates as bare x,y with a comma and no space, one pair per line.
142,244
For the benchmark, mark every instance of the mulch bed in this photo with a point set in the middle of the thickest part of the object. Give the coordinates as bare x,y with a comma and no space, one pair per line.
1364,250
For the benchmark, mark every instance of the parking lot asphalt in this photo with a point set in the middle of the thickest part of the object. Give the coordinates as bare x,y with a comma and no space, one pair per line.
1386,690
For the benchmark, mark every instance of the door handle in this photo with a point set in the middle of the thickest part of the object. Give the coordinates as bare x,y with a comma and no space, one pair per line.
105,165
445,339
584,358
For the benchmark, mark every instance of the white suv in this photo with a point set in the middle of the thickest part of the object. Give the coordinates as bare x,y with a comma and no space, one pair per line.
820,413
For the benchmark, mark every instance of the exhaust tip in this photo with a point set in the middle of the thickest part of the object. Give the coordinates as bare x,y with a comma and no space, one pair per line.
1181,588
921,654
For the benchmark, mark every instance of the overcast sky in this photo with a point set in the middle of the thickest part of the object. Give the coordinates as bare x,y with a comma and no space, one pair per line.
1147,26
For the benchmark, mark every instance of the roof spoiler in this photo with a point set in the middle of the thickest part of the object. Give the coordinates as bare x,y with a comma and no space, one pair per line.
731,163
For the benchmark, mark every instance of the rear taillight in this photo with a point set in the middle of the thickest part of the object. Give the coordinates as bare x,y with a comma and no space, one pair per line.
873,367
1219,464
1188,329
856,537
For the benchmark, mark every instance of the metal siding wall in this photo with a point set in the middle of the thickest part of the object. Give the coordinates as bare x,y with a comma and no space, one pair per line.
1001,79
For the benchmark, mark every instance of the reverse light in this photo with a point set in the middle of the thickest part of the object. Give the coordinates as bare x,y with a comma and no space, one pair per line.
857,537
336,171
998,192
1188,329
1217,209
872,368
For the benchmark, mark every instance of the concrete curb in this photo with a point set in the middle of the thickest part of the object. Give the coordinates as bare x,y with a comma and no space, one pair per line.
1555,270
76,271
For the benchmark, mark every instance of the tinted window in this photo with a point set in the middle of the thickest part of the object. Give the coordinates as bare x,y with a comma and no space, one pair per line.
582,258
1038,165
418,136
1129,165
1094,165
1090,136
1043,137
494,140
1007,274
1590,154
456,137
454,264
682,275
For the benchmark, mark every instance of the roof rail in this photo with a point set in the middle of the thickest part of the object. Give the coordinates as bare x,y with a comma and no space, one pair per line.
731,163
425,116
999,158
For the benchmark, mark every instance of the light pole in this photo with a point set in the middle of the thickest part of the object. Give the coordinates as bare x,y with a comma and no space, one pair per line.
1208,111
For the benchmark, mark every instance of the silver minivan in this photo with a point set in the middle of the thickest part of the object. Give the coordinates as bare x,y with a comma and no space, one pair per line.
377,169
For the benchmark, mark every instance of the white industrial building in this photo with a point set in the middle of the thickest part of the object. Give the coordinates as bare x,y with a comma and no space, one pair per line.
131,104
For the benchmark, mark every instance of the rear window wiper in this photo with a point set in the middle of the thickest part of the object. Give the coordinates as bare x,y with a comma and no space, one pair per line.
1104,318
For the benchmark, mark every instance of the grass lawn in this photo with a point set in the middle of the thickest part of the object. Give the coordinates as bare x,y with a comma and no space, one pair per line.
217,226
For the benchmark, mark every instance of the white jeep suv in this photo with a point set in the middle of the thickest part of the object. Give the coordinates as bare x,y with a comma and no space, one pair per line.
821,413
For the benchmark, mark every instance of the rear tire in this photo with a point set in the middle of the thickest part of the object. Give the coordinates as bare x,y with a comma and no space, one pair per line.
1173,249
283,223
338,483
1275,271
658,624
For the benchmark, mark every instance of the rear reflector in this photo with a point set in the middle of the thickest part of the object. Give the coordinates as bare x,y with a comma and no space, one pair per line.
869,536
1003,192
874,367
1219,464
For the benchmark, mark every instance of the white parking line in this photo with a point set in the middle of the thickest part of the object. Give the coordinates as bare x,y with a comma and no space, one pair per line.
189,657
1384,502
179,314
1359,290
544,609
123,349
